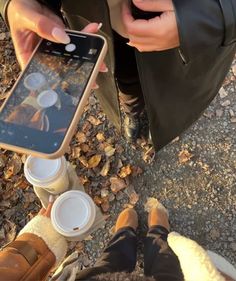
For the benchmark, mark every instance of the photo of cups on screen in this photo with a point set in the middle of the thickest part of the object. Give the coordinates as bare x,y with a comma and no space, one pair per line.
47,95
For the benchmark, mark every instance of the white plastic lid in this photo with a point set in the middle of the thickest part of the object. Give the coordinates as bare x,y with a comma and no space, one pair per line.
38,170
73,213
47,98
34,81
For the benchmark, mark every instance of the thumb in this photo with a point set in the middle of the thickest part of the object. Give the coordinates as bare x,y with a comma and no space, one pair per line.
154,5
45,27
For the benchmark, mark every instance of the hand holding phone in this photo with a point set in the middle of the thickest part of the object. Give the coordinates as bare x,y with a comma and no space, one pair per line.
44,107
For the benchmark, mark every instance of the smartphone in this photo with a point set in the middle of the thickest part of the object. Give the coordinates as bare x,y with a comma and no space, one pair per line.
140,14
43,109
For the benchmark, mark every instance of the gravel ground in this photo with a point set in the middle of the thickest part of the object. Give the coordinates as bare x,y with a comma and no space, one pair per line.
200,193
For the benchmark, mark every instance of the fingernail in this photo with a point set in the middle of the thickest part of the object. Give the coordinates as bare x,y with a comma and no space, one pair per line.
51,198
105,69
60,35
129,44
95,86
99,25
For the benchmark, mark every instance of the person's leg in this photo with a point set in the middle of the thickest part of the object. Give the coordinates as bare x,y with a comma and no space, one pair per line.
120,253
131,96
159,260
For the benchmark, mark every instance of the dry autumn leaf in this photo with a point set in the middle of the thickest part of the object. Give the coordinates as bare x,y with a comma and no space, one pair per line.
105,206
94,161
84,161
75,152
184,156
109,150
125,171
81,137
93,120
100,137
105,169
117,184
13,167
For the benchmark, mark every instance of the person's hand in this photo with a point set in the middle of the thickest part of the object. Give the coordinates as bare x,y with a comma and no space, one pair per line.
156,34
47,212
29,21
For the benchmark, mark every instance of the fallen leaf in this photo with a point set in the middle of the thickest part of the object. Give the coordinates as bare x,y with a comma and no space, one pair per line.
109,150
105,206
3,160
105,169
117,184
10,231
149,154
133,196
184,156
94,161
84,147
84,161
13,166
83,179
81,137
98,200
93,120
125,171
75,152
100,137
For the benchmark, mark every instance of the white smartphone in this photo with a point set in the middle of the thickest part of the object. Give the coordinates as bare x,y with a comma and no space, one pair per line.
43,109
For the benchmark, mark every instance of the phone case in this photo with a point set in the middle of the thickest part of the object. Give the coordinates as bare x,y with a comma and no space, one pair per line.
72,128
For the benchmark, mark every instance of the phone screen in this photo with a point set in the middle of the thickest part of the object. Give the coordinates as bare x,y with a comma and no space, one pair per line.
43,103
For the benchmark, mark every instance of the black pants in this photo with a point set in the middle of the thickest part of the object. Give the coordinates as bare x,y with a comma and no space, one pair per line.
120,256
127,77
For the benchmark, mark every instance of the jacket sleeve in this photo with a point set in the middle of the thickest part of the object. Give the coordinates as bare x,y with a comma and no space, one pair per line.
203,24
32,255
54,5
3,8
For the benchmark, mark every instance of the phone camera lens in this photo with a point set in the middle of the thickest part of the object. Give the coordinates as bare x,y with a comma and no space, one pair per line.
70,47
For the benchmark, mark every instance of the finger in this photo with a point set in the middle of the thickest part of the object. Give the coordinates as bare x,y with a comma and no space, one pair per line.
42,211
103,68
157,26
95,86
49,207
44,26
154,5
92,27
145,48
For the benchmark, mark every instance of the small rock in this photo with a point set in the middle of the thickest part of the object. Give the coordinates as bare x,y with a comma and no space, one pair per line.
2,36
2,234
225,103
214,233
219,112
231,113
233,246
234,69
119,196
223,93
233,120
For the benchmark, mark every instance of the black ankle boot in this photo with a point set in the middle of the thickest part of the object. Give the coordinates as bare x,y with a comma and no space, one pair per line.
131,127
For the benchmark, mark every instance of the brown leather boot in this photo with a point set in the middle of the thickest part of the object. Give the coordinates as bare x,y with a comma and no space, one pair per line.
158,215
127,217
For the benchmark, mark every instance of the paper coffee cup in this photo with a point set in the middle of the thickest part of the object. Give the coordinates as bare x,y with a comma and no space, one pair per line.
50,175
73,214
47,98
34,81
